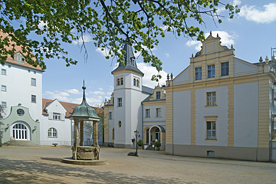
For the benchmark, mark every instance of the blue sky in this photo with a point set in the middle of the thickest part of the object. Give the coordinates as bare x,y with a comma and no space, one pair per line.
252,34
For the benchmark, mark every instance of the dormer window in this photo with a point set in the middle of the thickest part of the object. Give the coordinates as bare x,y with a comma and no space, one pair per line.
225,69
158,95
198,73
18,57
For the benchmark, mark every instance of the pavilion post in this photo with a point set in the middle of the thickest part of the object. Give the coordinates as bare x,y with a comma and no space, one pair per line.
76,130
81,133
95,133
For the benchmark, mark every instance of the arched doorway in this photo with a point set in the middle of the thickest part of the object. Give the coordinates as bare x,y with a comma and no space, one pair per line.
20,131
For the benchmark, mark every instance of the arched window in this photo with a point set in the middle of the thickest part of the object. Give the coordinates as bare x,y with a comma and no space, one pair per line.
134,82
20,131
118,82
52,132
119,124
122,81
137,83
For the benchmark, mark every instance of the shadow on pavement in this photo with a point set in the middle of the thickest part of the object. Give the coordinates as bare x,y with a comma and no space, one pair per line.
20,171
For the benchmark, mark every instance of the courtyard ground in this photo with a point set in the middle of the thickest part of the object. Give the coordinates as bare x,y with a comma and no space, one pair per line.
42,165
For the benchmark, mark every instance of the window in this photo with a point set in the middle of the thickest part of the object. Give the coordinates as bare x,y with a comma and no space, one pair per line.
198,73
211,71
4,104
147,113
9,66
33,81
113,134
120,102
122,81
211,98
3,72
225,69
158,112
33,99
3,88
110,115
137,83
134,82
119,124
211,130
56,116
158,96
52,132
118,82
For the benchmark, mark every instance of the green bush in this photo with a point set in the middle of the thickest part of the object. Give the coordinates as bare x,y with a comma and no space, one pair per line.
133,140
140,143
157,144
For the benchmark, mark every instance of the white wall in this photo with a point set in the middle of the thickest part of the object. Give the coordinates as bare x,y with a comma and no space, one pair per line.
246,115
221,111
242,67
182,117
19,89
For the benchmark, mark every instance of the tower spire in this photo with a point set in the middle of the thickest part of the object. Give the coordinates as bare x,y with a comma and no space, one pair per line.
83,87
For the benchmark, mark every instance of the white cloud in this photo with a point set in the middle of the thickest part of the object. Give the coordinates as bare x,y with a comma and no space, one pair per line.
149,71
97,92
62,96
84,38
251,13
93,101
73,91
108,93
42,24
226,39
101,89
167,55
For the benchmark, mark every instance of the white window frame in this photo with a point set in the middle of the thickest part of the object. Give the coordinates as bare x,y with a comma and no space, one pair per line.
4,104
52,133
33,81
158,95
211,131
224,70
56,116
3,88
120,102
211,98
147,113
158,112
3,71
211,71
198,73
33,98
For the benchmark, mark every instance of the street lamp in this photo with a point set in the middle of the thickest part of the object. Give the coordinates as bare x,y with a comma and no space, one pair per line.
136,133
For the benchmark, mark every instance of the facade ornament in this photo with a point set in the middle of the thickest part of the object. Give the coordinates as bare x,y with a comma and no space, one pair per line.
261,59
211,33
171,76
266,60
168,76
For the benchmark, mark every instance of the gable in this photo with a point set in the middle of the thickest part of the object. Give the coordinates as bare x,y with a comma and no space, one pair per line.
183,77
243,67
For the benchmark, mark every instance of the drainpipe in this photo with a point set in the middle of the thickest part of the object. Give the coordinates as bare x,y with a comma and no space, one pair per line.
142,122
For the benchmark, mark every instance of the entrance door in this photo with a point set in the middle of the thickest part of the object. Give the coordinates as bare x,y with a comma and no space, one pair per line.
157,134
20,131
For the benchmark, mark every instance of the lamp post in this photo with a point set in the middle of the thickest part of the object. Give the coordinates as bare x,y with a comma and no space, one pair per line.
136,133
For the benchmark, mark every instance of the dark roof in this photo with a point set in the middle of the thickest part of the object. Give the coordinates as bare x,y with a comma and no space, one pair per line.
146,89
130,63
147,99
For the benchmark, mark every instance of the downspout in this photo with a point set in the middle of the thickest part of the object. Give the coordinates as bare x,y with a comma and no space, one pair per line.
142,121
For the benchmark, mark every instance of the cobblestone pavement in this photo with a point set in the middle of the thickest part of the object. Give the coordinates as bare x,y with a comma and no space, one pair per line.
42,165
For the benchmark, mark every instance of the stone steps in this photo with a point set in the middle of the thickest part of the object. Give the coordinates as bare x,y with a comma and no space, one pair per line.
20,143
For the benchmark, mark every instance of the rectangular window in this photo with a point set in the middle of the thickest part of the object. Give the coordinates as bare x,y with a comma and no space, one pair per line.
110,115
158,112
3,88
147,113
33,99
56,116
4,104
211,71
158,96
3,72
211,98
211,130
225,69
33,82
120,102
198,73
